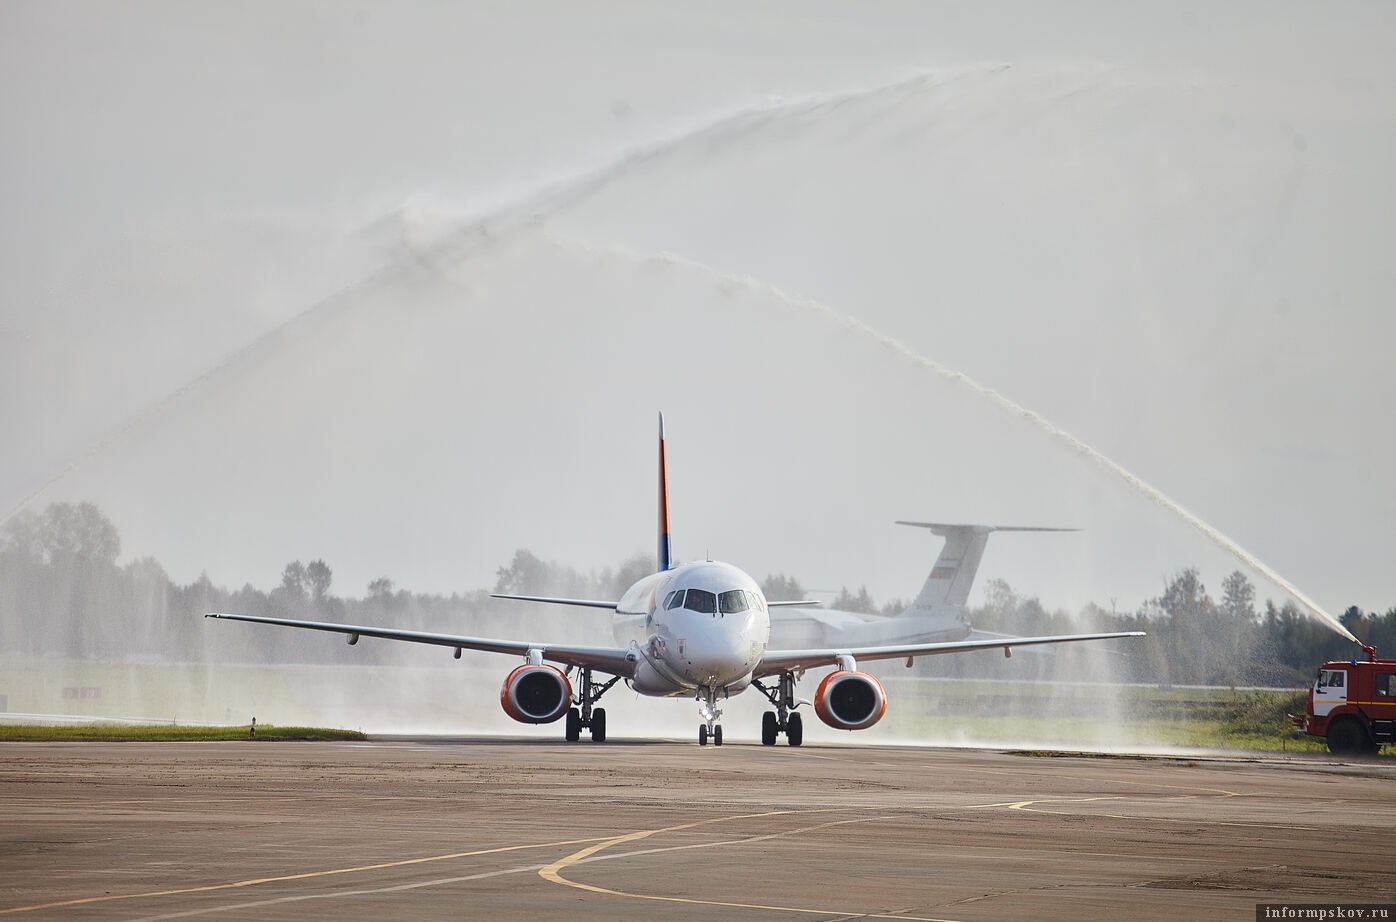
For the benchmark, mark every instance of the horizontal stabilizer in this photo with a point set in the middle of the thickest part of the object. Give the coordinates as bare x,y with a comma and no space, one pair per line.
944,529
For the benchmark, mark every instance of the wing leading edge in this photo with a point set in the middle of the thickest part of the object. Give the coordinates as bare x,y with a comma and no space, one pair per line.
613,606
778,661
553,600
614,660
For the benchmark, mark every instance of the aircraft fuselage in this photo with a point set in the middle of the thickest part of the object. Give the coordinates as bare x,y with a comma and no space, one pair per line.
699,625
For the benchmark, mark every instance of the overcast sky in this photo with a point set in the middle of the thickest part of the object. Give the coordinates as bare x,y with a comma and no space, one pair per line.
404,286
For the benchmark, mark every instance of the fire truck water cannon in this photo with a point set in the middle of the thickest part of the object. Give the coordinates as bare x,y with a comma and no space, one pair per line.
1352,704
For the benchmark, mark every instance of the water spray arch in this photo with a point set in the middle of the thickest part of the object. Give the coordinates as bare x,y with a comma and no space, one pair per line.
766,290
520,213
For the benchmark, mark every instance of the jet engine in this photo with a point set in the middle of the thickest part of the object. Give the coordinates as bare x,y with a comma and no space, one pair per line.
536,694
850,700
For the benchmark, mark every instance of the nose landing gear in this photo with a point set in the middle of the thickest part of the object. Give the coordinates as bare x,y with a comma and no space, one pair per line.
709,712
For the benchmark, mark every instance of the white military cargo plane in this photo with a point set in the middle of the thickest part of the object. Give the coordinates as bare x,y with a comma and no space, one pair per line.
700,629
939,611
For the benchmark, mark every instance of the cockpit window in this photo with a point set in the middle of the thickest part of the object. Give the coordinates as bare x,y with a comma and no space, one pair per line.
674,599
756,602
701,600
732,601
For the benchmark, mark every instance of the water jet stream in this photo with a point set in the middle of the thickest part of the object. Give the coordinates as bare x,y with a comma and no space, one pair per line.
767,290
519,215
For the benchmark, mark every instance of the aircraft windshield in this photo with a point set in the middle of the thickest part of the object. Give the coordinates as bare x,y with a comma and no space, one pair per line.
710,603
701,600
732,601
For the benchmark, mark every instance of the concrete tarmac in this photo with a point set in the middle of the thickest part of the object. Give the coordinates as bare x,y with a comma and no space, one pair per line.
531,829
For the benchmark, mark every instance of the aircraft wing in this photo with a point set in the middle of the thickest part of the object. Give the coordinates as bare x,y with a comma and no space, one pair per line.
586,603
614,660
596,603
778,661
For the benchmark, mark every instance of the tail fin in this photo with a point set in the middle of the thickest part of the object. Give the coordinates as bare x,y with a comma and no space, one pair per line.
952,576
666,551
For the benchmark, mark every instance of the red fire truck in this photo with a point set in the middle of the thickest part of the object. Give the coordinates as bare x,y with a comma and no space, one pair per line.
1353,704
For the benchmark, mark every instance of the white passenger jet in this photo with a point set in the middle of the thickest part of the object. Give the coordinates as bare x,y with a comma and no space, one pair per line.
701,629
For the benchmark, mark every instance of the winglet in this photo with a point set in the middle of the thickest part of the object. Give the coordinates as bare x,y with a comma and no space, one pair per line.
666,552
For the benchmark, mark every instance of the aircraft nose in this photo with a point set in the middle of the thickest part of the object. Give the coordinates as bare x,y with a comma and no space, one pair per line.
723,655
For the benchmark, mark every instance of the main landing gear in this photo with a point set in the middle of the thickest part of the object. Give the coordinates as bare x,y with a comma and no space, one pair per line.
709,712
784,719
587,717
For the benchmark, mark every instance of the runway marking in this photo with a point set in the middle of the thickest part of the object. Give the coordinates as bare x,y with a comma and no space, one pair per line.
336,894
529,869
483,875
84,901
1117,780
1176,787
553,873
1027,807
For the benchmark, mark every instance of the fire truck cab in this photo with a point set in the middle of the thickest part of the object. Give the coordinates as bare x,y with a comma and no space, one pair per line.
1352,704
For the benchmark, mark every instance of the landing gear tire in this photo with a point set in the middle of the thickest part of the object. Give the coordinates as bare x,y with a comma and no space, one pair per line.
709,713
784,718
574,725
795,730
770,728
598,725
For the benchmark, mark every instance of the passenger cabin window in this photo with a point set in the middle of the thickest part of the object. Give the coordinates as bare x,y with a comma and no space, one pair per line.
675,599
701,600
733,601
1386,685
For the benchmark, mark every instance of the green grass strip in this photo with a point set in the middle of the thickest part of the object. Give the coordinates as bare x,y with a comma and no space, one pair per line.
124,733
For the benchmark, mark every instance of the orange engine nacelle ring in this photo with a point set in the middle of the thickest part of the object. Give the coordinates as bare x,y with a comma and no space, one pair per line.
850,700
535,694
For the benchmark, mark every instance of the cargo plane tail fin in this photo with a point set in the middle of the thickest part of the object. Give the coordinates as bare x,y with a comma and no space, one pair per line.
952,577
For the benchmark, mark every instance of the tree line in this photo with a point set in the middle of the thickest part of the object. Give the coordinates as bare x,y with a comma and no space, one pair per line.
1195,639
64,593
